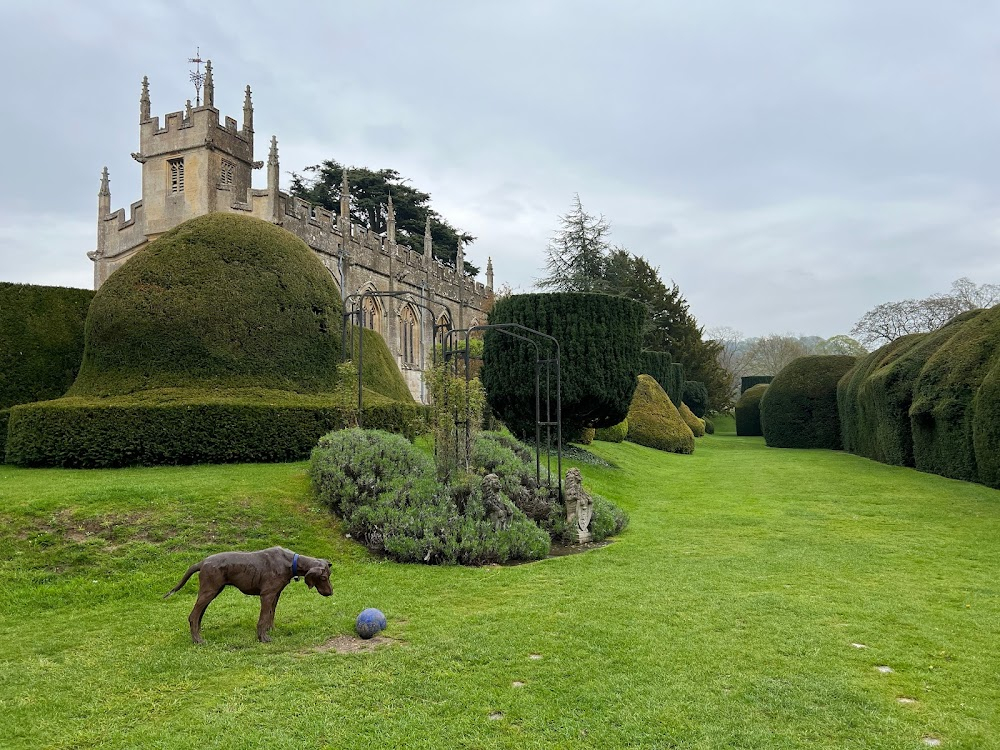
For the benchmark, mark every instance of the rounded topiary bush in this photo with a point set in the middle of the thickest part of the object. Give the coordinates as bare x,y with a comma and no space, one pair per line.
600,340
614,434
709,426
221,300
748,411
654,421
697,425
799,408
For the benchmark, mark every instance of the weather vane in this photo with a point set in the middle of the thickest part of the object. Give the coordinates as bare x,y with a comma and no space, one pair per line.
197,77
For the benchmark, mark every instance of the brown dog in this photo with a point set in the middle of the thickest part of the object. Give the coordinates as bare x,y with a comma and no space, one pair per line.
264,574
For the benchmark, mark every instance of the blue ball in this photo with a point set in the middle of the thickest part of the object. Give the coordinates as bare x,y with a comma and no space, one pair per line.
369,623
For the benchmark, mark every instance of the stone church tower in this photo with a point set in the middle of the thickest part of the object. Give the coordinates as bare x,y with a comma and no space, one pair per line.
196,163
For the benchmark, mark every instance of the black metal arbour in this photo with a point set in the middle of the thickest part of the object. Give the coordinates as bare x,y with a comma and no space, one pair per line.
517,331
356,300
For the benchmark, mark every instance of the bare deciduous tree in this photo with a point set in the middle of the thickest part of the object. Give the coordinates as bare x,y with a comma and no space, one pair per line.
890,320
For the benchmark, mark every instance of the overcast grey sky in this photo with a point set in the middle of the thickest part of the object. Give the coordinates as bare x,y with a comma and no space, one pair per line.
789,164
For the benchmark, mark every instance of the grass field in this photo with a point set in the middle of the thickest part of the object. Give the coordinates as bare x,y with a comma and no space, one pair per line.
726,616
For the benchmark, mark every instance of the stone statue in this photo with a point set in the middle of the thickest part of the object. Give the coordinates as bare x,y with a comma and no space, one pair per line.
579,506
496,509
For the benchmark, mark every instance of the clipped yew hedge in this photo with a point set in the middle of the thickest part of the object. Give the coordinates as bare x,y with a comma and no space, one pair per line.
696,397
799,407
219,342
875,399
669,374
748,411
380,373
654,421
189,427
942,416
749,381
41,340
600,339
614,434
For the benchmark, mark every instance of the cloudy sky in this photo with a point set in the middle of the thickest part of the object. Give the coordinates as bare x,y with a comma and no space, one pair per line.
790,164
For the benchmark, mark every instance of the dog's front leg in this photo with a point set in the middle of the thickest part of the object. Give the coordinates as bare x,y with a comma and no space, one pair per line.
268,603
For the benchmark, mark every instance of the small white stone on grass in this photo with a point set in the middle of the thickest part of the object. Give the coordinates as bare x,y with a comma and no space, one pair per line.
496,716
859,645
906,701
536,657
517,683
932,741
884,669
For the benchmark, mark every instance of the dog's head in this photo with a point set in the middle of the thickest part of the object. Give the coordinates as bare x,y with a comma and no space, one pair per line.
318,577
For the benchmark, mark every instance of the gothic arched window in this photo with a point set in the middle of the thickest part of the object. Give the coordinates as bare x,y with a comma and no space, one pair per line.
409,336
371,314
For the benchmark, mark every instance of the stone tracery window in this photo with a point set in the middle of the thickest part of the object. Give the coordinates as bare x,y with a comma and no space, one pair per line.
371,314
409,336
176,175
442,332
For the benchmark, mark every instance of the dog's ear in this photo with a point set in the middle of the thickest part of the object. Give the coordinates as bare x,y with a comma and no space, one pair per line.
313,574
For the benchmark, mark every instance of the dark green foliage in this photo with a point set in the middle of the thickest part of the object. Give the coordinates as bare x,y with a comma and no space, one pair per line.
514,463
873,401
709,426
599,338
942,414
4,417
385,491
369,204
749,381
183,427
654,421
669,374
696,397
799,408
877,397
613,434
985,426
381,374
219,301
41,341
748,411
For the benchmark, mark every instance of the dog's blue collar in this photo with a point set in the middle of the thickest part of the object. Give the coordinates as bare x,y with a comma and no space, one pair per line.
295,565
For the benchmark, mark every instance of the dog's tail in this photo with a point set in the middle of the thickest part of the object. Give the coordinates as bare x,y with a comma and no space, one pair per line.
190,572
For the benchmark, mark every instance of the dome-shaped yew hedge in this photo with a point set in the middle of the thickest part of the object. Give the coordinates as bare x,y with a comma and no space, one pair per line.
799,408
221,300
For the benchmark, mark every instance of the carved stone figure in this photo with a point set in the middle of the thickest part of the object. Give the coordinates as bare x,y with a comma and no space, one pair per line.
579,506
496,509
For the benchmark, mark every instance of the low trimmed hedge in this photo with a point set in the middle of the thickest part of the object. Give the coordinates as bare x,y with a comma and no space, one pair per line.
748,411
614,434
188,428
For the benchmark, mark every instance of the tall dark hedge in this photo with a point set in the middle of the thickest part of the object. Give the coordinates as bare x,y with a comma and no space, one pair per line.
41,340
380,373
879,422
600,338
221,300
986,425
799,408
696,397
867,427
748,411
669,374
749,381
942,415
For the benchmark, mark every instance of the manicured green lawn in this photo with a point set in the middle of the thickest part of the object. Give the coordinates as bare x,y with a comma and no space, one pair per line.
724,617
